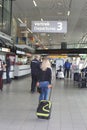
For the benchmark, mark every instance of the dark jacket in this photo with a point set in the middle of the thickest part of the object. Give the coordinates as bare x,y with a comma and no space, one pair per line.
8,63
45,75
35,67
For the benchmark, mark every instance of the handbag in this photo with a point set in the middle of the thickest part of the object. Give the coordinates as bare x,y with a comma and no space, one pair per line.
38,89
43,84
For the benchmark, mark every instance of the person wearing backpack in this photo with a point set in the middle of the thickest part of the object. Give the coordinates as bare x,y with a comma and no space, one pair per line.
67,66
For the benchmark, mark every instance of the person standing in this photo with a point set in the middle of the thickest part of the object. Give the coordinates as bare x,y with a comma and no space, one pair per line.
35,68
67,66
2,66
8,66
44,79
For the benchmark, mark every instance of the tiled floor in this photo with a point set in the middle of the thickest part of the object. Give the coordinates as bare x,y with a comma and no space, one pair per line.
18,107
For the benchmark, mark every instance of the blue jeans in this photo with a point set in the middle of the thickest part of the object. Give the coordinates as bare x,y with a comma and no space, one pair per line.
44,93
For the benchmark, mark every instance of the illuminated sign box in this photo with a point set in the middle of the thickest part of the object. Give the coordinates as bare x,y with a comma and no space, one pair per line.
20,52
5,50
49,26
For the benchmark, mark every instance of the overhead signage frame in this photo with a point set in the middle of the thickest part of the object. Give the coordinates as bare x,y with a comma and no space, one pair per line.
49,26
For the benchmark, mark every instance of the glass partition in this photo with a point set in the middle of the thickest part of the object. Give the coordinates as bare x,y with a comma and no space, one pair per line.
6,16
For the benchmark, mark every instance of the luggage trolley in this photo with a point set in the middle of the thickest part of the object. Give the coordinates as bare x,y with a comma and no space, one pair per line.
59,69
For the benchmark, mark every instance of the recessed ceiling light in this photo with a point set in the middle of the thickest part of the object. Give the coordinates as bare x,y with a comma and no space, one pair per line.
20,20
41,19
34,3
59,13
68,13
59,3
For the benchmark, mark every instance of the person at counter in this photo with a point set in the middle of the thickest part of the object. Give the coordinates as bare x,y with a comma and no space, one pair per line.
35,68
8,65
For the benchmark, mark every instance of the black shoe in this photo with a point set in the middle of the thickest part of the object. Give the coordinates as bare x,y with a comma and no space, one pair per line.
1,89
32,92
8,82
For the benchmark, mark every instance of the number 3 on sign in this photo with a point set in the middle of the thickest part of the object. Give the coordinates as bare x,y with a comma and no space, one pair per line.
59,26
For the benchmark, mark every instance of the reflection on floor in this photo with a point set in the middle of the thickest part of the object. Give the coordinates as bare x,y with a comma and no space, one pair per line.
18,107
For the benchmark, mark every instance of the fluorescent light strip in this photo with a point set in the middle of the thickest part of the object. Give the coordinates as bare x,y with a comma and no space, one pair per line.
59,13
34,3
29,30
59,3
20,20
68,13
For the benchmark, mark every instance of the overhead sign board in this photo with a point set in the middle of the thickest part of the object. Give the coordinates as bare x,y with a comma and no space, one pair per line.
20,52
49,26
5,49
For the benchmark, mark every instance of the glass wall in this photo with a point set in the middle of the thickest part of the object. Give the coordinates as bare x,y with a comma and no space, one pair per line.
6,16
0,14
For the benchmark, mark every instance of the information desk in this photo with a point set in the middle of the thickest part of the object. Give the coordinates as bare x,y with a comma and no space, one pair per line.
21,70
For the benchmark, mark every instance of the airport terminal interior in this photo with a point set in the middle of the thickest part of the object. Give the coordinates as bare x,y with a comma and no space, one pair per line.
56,29
18,106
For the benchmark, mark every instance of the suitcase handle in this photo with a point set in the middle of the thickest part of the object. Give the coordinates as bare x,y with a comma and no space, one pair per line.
50,92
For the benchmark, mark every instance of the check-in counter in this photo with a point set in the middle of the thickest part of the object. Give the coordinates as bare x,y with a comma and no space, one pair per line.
21,70
11,72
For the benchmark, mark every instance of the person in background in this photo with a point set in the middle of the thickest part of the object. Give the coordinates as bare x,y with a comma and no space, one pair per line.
35,68
67,66
2,66
44,79
8,66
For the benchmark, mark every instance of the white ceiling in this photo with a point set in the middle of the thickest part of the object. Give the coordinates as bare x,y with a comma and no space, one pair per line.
55,10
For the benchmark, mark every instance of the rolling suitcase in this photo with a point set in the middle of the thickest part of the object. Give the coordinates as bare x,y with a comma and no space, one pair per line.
77,76
44,109
82,83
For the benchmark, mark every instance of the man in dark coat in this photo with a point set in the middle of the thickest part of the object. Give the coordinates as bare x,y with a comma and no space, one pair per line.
1,75
35,68
8,65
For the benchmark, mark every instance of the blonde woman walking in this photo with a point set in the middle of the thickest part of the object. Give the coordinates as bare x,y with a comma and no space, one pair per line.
44,80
